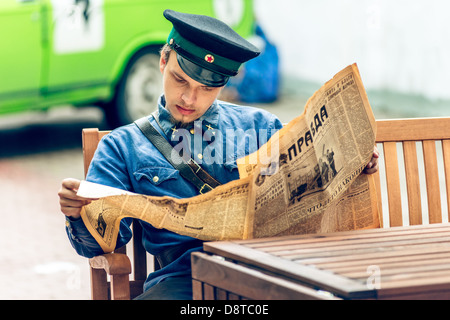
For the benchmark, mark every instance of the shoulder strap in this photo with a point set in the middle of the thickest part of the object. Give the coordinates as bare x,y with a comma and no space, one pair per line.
190,169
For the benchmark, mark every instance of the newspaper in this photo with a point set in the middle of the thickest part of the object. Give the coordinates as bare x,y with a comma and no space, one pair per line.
305,179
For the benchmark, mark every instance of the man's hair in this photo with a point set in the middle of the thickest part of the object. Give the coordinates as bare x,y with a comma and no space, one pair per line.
165,52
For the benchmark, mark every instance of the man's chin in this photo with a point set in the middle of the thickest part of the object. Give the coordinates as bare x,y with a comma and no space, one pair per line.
181,122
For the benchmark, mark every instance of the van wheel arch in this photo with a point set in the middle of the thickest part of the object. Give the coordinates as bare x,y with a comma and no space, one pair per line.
138,90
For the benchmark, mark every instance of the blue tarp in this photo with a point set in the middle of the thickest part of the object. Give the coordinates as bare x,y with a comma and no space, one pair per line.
258,79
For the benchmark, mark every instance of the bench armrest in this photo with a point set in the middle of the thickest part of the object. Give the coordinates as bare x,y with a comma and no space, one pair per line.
112,263
118,266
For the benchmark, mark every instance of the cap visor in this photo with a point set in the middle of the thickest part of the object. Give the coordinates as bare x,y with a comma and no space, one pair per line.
200,74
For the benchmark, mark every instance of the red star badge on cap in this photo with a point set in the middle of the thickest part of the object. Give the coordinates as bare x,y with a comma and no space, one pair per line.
209,58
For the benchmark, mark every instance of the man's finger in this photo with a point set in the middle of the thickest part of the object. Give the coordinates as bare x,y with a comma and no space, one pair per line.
71,183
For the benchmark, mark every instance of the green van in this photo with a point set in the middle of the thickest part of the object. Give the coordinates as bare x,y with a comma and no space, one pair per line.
94,52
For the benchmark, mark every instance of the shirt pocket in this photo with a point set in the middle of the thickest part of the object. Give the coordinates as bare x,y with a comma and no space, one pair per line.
156,175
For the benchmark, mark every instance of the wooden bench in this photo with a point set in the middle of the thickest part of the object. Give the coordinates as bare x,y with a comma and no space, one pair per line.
401,201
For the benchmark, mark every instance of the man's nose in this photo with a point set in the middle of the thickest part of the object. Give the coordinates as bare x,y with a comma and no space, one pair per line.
189,97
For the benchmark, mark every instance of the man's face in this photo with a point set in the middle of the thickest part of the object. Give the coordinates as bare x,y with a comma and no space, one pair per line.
186,99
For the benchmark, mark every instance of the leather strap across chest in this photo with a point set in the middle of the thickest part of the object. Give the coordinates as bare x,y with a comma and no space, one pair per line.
189,169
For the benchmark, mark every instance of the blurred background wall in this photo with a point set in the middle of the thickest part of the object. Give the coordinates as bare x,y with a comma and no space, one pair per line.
401,48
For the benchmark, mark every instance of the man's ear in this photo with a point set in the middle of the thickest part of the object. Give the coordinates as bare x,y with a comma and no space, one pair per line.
162,63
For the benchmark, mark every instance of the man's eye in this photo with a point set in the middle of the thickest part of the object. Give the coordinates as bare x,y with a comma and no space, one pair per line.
179,80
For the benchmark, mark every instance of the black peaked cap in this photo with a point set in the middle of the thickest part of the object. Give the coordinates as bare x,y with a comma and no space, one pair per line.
213,35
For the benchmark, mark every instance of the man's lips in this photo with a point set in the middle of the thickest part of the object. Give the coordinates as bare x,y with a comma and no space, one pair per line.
184,111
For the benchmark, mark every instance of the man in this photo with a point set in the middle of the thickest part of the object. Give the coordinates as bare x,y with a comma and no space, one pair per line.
201,54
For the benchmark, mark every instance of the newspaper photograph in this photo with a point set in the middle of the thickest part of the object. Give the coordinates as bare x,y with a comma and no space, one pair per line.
305,179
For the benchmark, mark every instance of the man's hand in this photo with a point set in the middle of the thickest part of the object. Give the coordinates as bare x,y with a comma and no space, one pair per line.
372,166
69,201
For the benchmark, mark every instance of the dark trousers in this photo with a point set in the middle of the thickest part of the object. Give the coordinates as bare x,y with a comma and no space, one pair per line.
172,288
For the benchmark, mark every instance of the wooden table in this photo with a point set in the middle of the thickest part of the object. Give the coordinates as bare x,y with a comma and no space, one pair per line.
394,263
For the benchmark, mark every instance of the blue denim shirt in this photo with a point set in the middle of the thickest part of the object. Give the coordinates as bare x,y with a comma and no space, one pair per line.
126,159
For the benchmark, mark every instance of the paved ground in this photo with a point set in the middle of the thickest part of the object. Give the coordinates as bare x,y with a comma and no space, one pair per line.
36,153
36,259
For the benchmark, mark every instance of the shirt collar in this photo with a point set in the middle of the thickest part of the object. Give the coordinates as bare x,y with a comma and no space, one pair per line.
209,118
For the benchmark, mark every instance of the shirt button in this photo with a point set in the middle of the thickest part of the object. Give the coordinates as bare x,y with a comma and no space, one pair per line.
155,179
192,131
200,156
